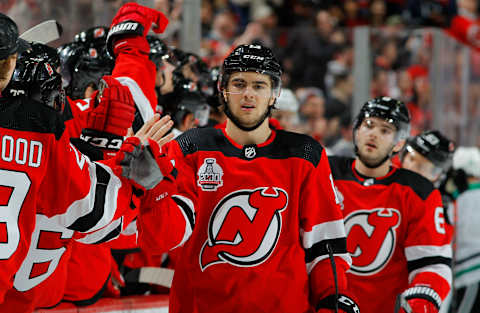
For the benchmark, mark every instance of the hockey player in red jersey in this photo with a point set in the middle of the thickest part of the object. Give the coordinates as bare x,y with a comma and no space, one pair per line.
263,204
89,198
396,230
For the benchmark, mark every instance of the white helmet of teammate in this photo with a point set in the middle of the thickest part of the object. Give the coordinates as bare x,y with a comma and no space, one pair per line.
467,159
287,101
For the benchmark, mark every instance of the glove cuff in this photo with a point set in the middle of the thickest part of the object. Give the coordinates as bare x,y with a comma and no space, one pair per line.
120,29
423,292
101,139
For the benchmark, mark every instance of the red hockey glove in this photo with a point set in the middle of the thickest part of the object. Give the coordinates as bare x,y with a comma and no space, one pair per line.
144,165
418,299
113,114
134,19
114,108
345,305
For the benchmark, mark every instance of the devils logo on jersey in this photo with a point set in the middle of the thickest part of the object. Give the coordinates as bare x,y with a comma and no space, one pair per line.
371,238
244,227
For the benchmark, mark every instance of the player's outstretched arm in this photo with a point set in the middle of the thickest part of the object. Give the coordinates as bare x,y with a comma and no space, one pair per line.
127,42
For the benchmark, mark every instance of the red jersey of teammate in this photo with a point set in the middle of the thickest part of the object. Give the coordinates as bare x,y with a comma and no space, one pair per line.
37,160
263,217
48,258
396,235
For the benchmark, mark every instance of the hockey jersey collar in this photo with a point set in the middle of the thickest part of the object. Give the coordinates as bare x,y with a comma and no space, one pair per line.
368,181
270,139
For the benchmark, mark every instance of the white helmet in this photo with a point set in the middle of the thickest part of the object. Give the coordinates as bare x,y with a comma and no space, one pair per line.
467,159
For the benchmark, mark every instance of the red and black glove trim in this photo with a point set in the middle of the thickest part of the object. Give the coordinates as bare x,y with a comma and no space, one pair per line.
344,302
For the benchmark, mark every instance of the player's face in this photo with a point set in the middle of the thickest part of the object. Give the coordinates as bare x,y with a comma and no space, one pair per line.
375,139
416,162
7,66
249,94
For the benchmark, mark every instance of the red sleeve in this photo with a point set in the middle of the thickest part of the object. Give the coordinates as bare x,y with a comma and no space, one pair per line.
428,244
134,69
89,195
79,109
323,230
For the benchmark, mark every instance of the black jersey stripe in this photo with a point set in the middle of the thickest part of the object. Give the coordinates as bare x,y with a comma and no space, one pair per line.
285,145
342,170
432,260
91,219
339,246
187,210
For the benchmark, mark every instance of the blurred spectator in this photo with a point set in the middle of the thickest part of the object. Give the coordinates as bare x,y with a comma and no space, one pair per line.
309,52
353,14
341,62
206,16
312,110
378,13
343,145
286,110
221,38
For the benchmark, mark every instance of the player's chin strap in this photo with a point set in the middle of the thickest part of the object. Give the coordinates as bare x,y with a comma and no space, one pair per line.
419,292
337,301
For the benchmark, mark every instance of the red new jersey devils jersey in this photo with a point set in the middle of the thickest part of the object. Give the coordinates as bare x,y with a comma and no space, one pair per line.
396,234
44,177
264,216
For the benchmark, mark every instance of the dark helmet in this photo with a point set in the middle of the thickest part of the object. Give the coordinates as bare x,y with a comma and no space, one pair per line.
159,51
10,43
392,110
434,146
43,52
36,78
94,37
81,68
180,103
209,88
252,58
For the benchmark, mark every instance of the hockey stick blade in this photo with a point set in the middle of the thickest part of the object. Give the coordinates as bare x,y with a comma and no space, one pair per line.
151,275
44,32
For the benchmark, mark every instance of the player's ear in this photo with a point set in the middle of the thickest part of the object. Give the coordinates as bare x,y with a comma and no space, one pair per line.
399,145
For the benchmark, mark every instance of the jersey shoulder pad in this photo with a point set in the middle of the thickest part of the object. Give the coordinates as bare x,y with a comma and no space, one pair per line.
24,114
298,145
341,167
196,139
419,184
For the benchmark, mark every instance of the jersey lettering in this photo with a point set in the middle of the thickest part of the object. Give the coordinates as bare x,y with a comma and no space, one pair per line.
46,250
14,187
439,220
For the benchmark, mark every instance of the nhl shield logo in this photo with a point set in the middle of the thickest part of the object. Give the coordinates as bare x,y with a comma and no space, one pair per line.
210,175
250,152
